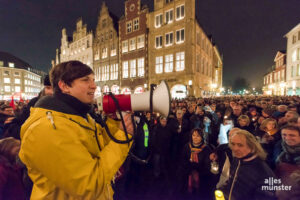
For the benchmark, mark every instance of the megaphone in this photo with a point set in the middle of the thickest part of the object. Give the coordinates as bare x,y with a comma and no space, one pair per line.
157,100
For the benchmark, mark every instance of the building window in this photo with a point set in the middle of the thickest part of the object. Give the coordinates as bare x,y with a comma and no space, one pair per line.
6,73
298,70
6,80
141,67
158,42
12,65
1,63
17,89
132,68
96,56
169,39
180,36
140,41
7,88
180,61
198,63
104,53
136,24
168,1
107,72
110,35
294,39
158,20
298,54
17,81
169,63
129,27
17,74
132,44
294,56
114,72
159,64
125,69
180,12
169,16
125,46
103,23
113,50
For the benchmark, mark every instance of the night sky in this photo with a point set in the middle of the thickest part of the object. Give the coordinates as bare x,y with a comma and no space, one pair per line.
247,32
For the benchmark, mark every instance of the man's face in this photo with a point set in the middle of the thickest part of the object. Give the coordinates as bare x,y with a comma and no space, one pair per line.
239,146
48,90
82,88
288,116
243,122
290,137
9,111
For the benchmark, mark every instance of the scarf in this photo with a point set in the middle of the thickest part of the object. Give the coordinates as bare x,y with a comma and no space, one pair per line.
291,153
195,151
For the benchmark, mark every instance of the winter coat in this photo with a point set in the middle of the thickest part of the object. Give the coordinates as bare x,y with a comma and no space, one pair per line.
61,152
246,180
11,186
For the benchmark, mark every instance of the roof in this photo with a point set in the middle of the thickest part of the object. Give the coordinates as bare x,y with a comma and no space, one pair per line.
7,57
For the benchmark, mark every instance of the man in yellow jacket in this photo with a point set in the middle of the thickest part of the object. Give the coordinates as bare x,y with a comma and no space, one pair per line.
69,155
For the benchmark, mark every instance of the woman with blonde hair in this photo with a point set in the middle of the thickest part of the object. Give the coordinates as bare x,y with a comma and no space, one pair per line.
269,137
244,123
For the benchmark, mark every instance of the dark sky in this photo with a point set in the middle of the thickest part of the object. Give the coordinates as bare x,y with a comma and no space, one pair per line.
247,32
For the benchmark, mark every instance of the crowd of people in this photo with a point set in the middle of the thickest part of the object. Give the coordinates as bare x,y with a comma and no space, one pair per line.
241,147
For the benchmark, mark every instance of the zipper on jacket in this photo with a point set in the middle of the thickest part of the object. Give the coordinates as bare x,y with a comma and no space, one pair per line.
234,180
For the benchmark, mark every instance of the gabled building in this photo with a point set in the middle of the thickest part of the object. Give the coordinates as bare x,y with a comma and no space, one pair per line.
79,47
293,61
275,79
134,47
106,52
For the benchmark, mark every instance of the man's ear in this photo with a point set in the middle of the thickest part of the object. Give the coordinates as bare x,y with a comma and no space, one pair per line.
64,87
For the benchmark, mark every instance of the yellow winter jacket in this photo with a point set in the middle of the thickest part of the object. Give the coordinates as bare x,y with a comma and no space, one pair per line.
63,159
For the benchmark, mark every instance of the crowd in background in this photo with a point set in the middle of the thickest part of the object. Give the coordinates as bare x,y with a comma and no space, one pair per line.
192,152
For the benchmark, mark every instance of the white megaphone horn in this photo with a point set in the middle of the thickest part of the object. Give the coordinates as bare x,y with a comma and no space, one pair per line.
157,100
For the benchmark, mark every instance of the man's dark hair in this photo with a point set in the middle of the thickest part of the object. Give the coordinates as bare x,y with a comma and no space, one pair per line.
292,128
68,72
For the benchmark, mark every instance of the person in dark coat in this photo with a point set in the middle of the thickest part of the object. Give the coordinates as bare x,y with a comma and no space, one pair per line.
11,185
194,176
248,171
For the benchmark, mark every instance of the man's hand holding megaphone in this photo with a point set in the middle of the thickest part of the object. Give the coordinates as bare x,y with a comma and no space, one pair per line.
128,123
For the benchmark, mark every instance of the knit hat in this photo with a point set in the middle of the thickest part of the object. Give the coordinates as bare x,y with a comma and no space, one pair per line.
47,81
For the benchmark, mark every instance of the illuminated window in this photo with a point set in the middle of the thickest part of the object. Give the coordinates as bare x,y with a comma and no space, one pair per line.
104,53
6,80
169,63
17,81
141,67
1,63
125,69
132,44
159,64
140,41
180,61
133,68
7,88
113,50
107,72
17,89
12,65
125,46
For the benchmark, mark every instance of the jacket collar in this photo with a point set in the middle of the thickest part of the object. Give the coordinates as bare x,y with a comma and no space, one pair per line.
64,103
